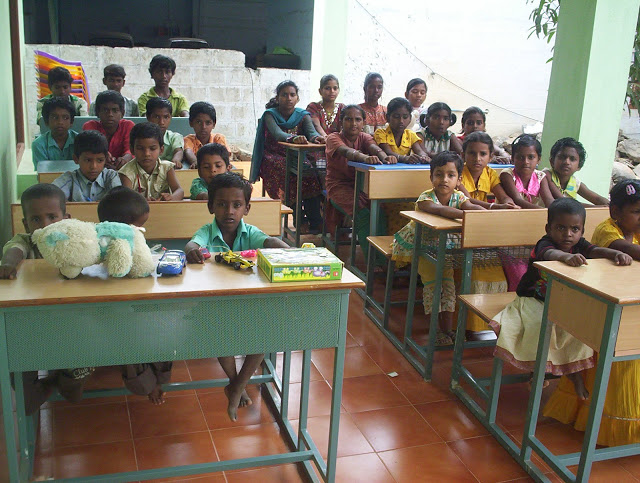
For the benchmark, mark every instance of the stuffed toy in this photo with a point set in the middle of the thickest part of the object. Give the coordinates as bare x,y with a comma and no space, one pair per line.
72,245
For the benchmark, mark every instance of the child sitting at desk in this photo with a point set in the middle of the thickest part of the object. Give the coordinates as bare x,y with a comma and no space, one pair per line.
147,173
110,109
202,118
159,112
123,205
443,200
42,205
59,80
436,135
375,113
91,181
114,80
621,413
416,93
229,202
518,325
162,70
474,119
212,160
57,143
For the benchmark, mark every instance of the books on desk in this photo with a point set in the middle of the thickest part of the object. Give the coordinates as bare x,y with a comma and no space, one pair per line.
299,264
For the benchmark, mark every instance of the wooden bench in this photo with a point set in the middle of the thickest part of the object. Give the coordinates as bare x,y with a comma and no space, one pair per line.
177,124
174,220
487,306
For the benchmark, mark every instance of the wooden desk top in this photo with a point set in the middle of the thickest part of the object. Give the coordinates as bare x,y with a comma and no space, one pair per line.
39,283
433,221
616,284
307,146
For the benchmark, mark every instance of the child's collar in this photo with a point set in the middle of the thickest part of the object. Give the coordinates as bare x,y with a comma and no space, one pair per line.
445,136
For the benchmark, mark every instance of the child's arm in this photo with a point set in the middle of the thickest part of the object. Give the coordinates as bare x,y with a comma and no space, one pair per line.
616,256
455,145
190,158
202,196
504,201
318,126
177,157
9,265
440,210
419,154
592,196
624,246
389,153
500,156
177,193
122,160
194,255
358,156
555,191
545,192
510,189
273,242
126,182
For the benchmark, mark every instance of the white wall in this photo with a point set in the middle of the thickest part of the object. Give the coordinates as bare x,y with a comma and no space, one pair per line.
480,46
217,76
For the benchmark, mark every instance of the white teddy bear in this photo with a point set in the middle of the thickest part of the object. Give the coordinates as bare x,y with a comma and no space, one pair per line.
72,245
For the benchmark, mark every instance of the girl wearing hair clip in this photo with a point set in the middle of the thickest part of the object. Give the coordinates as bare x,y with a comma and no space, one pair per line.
621,414
436,135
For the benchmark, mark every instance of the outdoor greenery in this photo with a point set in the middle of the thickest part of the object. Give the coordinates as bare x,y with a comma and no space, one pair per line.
545,21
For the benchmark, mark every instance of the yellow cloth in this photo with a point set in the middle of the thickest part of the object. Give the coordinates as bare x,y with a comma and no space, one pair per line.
150,185
488,180
177,100
608,231
385,136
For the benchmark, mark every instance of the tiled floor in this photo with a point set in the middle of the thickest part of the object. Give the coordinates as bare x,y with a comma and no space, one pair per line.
398,429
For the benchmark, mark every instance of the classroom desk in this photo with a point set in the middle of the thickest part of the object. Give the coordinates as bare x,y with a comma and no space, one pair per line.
295,158
177,124
609,323
47,322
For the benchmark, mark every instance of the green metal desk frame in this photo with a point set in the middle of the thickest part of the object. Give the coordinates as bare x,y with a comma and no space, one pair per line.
78,335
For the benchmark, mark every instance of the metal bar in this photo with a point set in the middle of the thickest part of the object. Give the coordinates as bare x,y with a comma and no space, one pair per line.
391,267
7,404
286,377
299,178
494,390
358,188
458,348
21,417
304,397
435,305
413,281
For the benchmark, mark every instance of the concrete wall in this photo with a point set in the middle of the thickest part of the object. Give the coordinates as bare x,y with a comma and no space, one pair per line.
218,76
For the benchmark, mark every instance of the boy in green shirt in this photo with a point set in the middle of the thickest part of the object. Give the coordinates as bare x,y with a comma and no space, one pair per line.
162,70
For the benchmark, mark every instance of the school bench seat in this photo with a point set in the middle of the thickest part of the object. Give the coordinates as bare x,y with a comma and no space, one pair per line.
178,124
487,306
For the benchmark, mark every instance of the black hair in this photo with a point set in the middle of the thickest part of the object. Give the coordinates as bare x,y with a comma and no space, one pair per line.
478,137
58,74
565,206
145,130
398,103
370,77
202,107
273,102
349,107
92,141
122,205
39,191
444,157
326,78
415,82
432,109
57,103
229,180
524,141
109,96
562,143
212,149
162,62
114,70
158,103
473,110
626,192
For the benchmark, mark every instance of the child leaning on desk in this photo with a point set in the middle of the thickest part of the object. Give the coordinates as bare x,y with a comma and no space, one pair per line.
621,414
443,200
518,325
229,202
212,159
42,205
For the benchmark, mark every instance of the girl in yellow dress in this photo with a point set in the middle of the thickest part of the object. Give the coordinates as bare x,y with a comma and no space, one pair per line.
621,414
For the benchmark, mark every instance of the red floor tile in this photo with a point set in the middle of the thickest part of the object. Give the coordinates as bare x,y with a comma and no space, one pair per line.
350,439
388,358
363,467
201,369
214,407
417,390
269,474
370,392
296,368
177,415
319,399
356,363
248,441
174,450
90,424
451,420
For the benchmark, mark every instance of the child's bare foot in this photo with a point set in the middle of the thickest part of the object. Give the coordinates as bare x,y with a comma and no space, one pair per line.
156,396
545,383
245,400
238,398
578,384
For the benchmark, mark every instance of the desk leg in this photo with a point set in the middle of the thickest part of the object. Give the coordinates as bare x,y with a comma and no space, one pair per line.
458,348
7,405
359,188
301,158
413,282
304,398
605,356
23,438
435,306
286,377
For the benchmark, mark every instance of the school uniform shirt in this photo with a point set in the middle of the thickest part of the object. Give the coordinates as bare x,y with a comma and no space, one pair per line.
198,186
45,148
149,185
386,136
177,100
77,102
436,145
172,141
572,188
248,237
488,180
193,143
130,108
608,231
77,187
22,241
119,144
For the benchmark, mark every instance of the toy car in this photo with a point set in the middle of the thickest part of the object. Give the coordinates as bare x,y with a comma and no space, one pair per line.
205,253
236,260
249,253
172,262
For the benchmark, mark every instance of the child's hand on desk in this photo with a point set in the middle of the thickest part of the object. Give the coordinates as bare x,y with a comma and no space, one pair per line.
319,140
194,255
390,160
622,259
413,159
8,272
299,140
372,160
575,260
505,206
177,164
165,197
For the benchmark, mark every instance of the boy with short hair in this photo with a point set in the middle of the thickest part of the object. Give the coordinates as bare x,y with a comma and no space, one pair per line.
91,181
202,118
212,160
110,109
57,143
42,205
229,202
162,70
59,80
159,112
123,205
114,80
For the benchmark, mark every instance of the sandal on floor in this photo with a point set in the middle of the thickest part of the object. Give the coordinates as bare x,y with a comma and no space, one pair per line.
443,339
